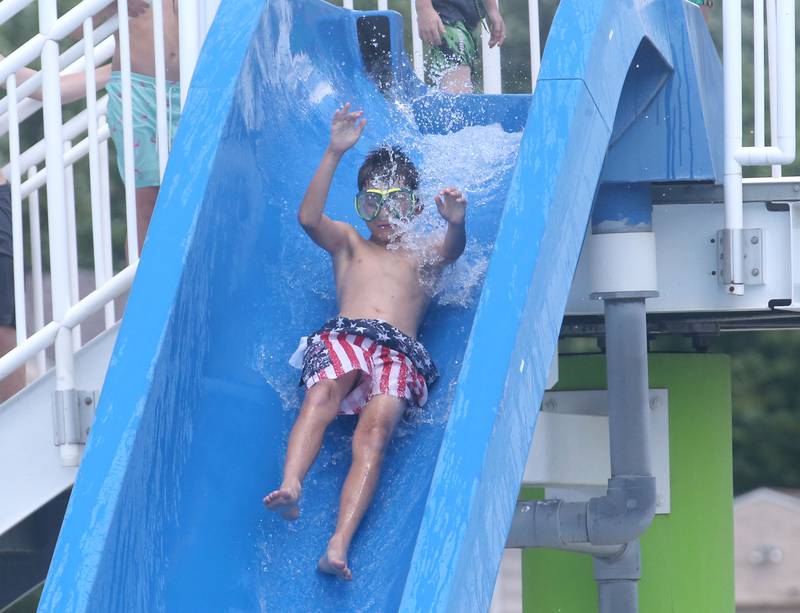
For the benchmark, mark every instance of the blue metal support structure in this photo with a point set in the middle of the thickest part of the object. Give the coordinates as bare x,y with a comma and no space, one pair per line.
191,427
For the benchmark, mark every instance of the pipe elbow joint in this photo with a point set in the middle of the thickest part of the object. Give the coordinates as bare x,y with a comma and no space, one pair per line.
624,513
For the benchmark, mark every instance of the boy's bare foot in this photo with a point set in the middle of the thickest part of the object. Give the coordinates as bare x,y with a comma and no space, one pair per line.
334,562
284,501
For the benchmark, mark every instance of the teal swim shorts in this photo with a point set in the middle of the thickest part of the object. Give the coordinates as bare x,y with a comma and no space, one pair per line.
143,97
458,48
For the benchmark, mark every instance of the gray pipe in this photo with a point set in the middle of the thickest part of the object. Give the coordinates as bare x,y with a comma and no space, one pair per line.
608,527
616,580
628,387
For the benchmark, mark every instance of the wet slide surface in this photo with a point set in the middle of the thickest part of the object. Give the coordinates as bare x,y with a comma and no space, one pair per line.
191,431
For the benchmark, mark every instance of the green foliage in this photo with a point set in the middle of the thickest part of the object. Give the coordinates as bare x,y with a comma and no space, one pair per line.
766,402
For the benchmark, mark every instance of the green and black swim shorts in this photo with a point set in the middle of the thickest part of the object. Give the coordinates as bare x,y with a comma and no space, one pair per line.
458,48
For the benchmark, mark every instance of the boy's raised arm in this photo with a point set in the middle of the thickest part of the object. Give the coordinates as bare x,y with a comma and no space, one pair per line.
453,208
331,235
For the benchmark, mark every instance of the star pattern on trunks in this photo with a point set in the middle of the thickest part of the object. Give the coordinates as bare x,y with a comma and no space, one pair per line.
317,358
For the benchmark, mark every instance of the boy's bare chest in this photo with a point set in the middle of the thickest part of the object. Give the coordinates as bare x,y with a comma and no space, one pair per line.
381,268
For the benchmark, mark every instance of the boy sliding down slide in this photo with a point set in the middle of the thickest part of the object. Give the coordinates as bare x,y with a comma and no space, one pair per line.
367,360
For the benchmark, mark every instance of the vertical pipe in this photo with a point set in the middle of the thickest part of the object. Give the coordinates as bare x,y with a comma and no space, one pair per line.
162,138
617,597
416,43
348,4
17,241
787,138
536,45
758,72
72,243
628,389
127,132
772,67
732,64
383,5
492,70
37,283
56,211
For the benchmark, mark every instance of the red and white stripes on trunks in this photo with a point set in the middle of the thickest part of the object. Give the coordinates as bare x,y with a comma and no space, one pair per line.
383,370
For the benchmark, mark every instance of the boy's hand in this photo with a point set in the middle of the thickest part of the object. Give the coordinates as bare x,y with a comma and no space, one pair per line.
346,129
452,205
431,27
498,29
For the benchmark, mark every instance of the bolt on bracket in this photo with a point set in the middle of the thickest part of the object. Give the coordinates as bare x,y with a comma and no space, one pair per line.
73,414
752,258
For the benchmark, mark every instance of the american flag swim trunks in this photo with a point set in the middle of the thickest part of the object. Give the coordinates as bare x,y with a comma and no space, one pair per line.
373,347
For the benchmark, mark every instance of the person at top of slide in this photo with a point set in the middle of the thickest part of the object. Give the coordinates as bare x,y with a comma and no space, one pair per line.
143,97
448,26
367,360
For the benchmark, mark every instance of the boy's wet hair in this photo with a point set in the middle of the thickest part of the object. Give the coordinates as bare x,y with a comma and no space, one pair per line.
388,163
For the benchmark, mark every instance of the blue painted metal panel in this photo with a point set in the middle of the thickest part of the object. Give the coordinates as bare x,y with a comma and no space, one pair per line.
678,134
191,430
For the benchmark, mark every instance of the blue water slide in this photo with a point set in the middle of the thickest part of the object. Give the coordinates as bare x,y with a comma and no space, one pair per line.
192,424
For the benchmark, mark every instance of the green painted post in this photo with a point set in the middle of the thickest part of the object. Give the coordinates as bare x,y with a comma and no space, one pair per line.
687,556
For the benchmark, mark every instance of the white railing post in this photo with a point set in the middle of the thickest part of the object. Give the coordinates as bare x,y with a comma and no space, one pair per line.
189,45
72,241
37,282
56,213
416,44
127,133
95,181
105,227
492,71
16,213
535,43
162,138
781,36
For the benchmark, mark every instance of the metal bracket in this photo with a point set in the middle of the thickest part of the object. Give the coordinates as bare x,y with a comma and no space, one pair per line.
569,455
73,414
752,265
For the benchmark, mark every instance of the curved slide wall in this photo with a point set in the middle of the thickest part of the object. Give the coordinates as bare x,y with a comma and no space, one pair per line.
191,429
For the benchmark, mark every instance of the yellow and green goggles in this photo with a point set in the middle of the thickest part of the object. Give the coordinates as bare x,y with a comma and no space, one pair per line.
400,202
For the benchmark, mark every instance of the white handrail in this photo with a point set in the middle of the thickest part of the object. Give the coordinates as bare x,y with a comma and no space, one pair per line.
71,60
9,8
781,36
72,317
36,154
50,162
783,149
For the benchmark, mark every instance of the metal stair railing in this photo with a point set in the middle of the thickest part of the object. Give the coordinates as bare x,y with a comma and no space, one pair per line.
50,162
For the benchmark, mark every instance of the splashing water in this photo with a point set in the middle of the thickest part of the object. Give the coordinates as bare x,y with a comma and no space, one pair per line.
476,160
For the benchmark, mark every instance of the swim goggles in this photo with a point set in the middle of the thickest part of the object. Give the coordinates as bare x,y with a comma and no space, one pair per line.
400,202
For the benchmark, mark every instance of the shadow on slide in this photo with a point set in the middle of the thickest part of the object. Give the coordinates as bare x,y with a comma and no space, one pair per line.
191,430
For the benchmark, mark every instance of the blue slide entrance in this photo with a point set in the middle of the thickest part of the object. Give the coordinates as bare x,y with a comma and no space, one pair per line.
191,430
